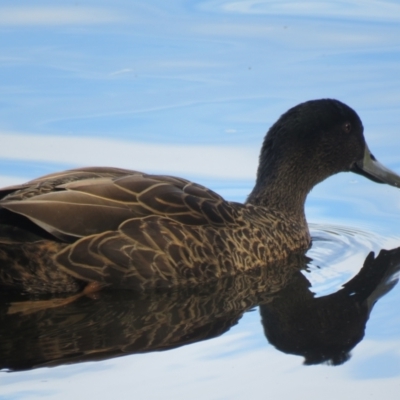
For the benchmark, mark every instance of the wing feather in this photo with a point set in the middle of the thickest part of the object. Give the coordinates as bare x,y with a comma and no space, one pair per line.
141,254
79,203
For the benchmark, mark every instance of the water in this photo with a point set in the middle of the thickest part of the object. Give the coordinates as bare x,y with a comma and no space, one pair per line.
189,89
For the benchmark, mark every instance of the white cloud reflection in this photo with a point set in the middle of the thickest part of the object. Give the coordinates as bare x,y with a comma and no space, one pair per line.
55,16
230,162
355,9
215,369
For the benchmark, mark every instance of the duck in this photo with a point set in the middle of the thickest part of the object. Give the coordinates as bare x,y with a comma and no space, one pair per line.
92,228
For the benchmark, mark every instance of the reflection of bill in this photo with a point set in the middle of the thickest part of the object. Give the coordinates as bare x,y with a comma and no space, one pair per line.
113,324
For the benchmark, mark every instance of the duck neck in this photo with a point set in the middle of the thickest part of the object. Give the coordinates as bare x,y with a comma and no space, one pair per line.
285,191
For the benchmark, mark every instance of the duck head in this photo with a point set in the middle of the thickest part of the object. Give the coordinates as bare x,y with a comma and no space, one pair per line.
309,143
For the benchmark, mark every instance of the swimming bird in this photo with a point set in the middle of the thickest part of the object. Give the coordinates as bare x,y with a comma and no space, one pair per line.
107,227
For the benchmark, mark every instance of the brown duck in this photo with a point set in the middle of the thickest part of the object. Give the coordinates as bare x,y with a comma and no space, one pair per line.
95,227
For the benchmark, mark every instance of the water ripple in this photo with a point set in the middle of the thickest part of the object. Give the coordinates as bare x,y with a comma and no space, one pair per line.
338,253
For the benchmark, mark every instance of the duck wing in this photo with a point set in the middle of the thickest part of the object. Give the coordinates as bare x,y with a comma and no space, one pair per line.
50,182
89,201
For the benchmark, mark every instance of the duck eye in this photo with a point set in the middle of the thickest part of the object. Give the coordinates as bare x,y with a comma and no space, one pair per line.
347,127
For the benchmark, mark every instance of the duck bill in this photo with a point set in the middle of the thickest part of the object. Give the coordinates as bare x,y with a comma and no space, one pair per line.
372,169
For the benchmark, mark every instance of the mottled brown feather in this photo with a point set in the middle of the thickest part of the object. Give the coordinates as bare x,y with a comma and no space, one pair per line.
137,231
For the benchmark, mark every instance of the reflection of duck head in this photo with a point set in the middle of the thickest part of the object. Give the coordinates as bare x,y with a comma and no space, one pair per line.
120,228
325,329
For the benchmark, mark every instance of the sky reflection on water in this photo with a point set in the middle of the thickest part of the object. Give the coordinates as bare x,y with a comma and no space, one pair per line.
190,88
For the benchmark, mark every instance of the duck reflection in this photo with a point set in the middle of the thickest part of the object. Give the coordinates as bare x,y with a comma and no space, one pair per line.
48,332
325,329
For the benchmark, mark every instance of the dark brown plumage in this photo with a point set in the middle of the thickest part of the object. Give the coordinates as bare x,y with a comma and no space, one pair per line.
134,231
126,229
